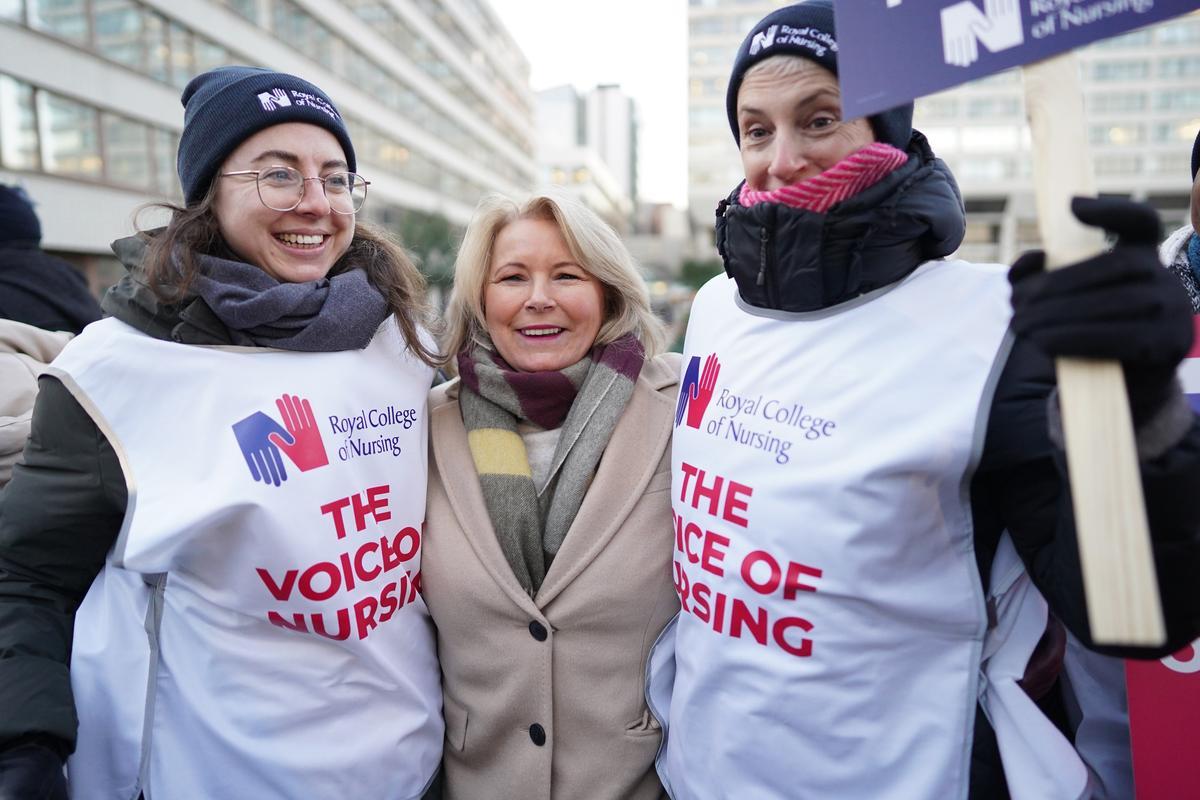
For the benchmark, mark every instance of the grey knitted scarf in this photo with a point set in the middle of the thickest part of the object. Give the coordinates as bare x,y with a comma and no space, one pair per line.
341,312
586,399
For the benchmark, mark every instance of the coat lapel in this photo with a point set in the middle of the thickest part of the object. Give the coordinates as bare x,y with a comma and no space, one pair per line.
461,483
637,442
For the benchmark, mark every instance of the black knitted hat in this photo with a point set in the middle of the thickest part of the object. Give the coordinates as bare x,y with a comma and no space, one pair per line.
18,221
227,105
806,30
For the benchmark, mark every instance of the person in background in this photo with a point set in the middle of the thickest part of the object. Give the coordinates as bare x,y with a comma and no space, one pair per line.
1181,250
871,460
35,287
224,483
547,564
43,302
25,353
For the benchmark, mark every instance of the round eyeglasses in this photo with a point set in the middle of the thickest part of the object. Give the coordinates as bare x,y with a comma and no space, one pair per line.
282,188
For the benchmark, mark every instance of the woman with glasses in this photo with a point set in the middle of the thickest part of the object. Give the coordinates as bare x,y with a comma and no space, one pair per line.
225,485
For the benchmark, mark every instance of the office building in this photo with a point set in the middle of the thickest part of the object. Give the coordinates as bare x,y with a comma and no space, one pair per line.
435,93
587,147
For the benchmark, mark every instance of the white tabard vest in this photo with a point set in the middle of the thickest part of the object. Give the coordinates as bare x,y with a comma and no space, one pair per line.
833,630
257,630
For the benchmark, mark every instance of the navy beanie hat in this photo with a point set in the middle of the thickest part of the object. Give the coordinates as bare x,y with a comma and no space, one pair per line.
18,221
225,106
806,30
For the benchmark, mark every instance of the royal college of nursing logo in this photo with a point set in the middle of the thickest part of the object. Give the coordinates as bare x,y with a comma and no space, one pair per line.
262,439
696,390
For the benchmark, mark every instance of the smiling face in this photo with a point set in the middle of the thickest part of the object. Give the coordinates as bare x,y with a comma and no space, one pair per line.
542,309
789,118
291,246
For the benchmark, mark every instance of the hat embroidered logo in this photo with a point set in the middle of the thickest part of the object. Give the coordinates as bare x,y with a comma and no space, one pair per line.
276,98
763,39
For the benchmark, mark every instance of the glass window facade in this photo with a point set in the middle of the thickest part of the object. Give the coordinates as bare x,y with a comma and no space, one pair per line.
68,132
136,36
18,126
67,19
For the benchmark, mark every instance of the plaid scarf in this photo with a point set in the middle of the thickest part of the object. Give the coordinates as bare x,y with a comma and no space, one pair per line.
848,177
585,399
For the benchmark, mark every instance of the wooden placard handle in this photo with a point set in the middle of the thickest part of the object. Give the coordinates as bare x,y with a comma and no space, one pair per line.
1110,513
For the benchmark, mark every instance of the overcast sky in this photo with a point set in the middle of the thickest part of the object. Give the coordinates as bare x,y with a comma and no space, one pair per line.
640,44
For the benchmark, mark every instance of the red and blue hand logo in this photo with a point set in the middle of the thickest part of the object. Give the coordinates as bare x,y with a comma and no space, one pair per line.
1189,370
261,438
696,390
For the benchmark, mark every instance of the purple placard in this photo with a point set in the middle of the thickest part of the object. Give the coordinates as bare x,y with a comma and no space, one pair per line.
892,51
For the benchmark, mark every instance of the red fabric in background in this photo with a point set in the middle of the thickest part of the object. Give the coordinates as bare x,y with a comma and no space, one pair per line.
1164,721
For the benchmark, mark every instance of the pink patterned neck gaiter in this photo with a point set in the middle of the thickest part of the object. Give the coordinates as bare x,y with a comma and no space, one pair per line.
844,179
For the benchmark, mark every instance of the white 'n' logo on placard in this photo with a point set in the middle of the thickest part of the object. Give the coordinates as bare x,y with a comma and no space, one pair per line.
763,39
998,27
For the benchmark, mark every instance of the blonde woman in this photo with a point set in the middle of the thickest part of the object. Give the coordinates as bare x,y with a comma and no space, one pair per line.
547,562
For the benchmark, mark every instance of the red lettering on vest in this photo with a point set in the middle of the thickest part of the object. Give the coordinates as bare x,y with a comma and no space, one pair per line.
711,557
282,591
347,571
363,573
388,602
742,618
782,625
334,509
343,629
364,615
723,498
792,584
774,573
297,623
333,581
373,502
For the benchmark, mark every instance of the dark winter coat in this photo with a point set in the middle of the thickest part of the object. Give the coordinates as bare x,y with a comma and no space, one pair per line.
40,290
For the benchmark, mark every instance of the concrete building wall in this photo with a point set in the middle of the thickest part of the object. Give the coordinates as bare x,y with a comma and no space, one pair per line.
435,93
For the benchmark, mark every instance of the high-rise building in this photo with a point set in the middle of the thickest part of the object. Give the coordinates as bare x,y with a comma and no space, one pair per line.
612,128
715,29
587,146
435,94
1141,98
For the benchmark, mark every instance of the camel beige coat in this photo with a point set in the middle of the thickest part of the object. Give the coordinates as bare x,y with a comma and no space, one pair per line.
607,596
25,352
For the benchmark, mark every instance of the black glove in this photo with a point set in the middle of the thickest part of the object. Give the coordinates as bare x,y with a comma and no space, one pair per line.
1120,305
31,771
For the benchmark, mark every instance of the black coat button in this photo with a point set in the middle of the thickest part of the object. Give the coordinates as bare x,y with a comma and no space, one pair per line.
538,734
538,631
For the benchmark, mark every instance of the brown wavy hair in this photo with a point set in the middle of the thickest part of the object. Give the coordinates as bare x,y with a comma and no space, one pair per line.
389,268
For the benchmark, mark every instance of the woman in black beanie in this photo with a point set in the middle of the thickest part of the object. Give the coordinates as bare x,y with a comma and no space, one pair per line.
871,506
225,485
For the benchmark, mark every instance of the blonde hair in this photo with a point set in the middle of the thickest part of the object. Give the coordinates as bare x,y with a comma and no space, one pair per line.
592,243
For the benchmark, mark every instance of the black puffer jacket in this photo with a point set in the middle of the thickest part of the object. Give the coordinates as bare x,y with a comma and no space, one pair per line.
787,259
